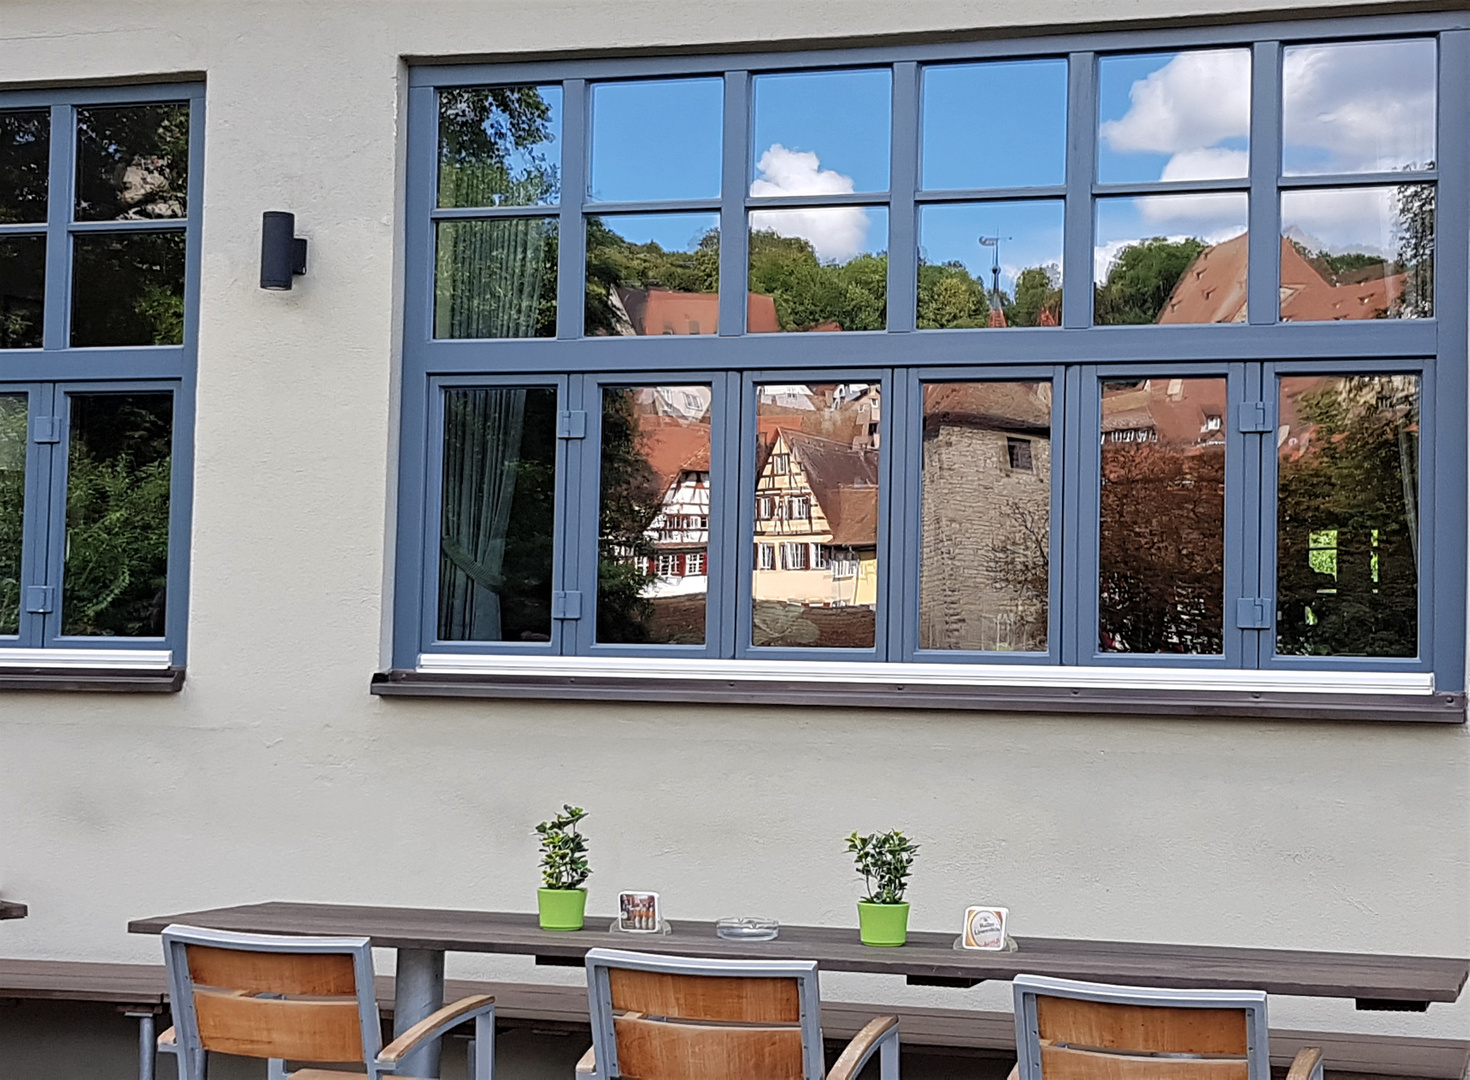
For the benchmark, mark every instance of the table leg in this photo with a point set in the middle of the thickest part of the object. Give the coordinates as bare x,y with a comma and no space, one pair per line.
418,992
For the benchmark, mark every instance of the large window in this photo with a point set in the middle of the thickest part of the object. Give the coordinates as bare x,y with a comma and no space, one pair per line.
99,212
1132,351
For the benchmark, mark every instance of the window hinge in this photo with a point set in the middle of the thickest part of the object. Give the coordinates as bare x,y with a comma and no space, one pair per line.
566,605
571,424
1253,613
1254,417
40,598
46,429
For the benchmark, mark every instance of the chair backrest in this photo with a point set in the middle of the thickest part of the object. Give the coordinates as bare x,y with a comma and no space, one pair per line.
684,1018
1069,1030
262,996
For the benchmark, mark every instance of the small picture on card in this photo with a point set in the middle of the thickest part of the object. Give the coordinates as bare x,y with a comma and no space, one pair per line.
985,928
638,913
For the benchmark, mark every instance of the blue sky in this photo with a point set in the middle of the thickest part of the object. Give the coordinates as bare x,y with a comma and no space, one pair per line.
995,124
1030,234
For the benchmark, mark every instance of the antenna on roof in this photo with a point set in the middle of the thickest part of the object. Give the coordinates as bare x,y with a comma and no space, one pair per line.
993,243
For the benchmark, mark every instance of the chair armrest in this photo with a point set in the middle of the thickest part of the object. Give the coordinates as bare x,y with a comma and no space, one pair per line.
856,1055
1015,1072
587,1066
168,1042
1307,1065
431,1027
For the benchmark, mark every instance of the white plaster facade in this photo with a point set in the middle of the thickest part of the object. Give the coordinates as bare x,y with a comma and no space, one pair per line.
274,773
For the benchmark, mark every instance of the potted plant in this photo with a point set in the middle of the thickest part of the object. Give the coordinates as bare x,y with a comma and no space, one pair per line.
884,858
562,901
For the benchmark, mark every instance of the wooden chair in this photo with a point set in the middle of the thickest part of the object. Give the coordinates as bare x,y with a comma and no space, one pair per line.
1069,1030
306,999
681,1018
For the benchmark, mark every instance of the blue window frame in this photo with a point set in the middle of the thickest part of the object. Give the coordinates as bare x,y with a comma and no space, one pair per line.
1261,375
98,363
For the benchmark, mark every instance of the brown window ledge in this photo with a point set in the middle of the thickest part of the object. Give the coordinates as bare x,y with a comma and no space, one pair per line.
106,680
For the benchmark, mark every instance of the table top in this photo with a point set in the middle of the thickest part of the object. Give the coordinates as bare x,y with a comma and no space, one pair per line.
1374,980
9,909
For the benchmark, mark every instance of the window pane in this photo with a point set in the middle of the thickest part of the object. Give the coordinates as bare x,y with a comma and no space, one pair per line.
653,556
128,288
821,132
500,146
1170,259
498,514
1161,542
132,162
657,140
985,516
119,461
25,154
1365,106
653,274
990,264
819,268
1358,253
1174,116
995,125
1347,516
816,515
14,430
22,291
495,278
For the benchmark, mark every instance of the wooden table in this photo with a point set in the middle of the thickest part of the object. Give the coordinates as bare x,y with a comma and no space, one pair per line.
422,936
9,909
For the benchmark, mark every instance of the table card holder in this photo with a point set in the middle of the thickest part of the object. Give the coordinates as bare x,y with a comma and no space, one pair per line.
985,930
639,913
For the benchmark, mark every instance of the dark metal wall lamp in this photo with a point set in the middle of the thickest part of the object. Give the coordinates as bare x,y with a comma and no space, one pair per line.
282,253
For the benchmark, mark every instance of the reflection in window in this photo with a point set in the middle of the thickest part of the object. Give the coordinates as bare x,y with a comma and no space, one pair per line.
1162,529
1170,259
495,278
128,288
659,139
1357,253
1347,516
821,132
652,575
985,516
990,264
497,514
818,268
1363,106
1025,108
829,433
500,146
1174,116
22,291
119,462
13,441
132,162
25,154
653,274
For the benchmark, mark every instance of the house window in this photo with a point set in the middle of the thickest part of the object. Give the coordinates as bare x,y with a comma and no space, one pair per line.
99,218
1155,488
668,566
694,563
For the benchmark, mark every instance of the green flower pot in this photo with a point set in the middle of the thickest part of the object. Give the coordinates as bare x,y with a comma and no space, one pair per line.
883,924
561,909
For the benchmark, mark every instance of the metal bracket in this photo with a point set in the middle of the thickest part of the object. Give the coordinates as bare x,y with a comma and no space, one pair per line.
40,599
46,429
1254,417
566,605
1253,613
571,424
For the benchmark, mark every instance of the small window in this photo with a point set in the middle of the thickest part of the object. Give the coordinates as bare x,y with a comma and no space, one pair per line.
1018,451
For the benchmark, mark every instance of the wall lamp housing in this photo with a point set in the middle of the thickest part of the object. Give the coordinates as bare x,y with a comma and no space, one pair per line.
282,252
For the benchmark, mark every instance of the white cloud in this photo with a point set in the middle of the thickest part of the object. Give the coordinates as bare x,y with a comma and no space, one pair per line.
1207,163
1197,215
837,233
1348,219
1196,100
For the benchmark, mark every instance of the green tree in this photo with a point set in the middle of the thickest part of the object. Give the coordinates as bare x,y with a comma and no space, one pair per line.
1038,289
809,293
1141,278
950,298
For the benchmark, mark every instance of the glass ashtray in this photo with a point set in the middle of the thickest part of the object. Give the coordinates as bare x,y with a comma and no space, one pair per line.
748,929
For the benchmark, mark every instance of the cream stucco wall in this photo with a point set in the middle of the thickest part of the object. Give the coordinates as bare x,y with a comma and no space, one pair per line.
274,774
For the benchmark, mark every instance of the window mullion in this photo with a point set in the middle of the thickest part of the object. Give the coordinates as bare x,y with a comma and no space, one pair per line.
1077,591
1263,280
903,174
571,258
58,217
735,178
726,524
1081,166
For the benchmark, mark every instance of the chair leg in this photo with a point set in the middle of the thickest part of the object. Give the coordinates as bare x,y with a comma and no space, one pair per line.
482,1048
275,1069
888,1058
147,1048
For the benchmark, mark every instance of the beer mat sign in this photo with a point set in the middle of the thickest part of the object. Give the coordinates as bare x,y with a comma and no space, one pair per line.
985,928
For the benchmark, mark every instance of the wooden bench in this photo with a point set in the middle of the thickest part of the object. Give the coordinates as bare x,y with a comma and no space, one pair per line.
141,989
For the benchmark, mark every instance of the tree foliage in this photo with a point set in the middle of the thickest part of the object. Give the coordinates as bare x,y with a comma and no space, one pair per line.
1141,278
